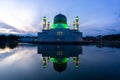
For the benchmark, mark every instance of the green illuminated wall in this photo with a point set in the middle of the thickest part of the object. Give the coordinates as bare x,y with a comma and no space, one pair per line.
60,26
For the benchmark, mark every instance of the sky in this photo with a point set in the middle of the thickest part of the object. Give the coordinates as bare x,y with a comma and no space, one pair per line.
97,17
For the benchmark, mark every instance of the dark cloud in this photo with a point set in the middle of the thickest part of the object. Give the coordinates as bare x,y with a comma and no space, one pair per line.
113,28
5,26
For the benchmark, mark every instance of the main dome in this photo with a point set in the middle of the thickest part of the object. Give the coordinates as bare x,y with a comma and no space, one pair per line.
60,19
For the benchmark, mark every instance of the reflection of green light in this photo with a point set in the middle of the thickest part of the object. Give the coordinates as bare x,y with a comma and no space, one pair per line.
44,66
58,26
64,60
54,60
76,66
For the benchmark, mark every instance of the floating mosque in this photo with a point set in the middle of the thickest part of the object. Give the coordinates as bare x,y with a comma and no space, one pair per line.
60,31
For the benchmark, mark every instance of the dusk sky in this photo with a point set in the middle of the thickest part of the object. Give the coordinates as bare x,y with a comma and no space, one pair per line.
97,17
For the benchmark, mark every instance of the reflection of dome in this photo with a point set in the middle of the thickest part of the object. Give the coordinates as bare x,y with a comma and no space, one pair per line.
60,67
60,19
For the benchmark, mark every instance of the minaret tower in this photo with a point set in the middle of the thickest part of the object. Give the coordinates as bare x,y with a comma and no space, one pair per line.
77,22
44,22
74,26
48,25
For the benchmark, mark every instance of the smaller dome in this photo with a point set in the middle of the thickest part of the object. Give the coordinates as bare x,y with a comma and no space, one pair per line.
60,19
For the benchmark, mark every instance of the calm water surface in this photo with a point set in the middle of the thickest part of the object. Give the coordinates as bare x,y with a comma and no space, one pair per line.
59,62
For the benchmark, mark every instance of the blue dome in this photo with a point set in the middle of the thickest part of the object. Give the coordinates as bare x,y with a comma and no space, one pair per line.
60,19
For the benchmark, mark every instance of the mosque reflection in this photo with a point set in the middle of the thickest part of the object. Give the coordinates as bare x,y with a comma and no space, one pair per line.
59,55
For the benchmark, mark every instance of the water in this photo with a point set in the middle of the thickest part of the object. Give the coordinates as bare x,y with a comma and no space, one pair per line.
59,62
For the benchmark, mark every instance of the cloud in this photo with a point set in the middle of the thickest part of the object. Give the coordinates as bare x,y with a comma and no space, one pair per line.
19,15
7,29
25,16
100,26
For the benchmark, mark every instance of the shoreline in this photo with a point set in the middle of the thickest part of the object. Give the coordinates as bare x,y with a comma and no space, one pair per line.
81,42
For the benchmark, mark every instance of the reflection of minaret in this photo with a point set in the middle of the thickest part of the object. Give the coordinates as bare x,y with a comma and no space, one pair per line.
48,59
76,61
44,62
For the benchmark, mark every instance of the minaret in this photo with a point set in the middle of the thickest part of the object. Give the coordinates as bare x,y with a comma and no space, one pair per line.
77,22
44,22
74,26
48,25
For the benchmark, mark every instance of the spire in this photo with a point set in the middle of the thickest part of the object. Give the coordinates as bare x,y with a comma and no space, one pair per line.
77,22
44,22
74,26
48,25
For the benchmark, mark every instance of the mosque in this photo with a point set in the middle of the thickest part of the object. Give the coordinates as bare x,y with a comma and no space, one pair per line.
60,31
